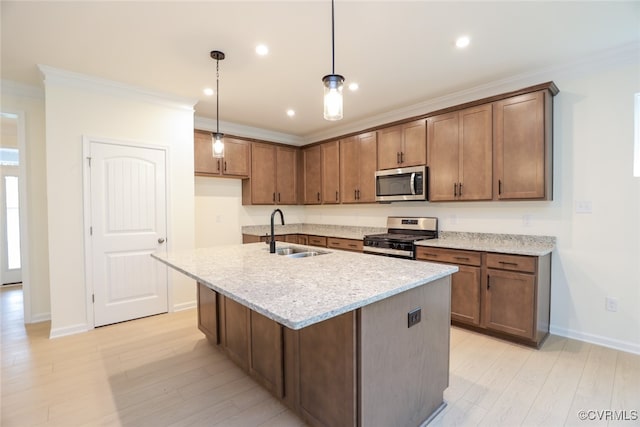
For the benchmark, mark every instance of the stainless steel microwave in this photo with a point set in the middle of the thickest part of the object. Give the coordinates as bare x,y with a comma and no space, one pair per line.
402,184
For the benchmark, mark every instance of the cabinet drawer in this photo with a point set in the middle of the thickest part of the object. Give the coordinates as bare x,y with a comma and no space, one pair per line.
345,244
452,256
317,241
512,262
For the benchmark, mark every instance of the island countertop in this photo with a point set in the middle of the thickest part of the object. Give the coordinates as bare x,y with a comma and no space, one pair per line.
298,292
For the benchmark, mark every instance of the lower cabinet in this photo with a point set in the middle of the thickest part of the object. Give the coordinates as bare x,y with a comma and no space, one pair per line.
499,294
344,244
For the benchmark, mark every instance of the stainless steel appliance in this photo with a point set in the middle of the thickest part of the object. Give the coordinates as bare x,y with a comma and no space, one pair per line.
401,233
402,184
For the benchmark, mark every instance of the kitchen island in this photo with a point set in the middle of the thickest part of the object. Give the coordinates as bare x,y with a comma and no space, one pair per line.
343,339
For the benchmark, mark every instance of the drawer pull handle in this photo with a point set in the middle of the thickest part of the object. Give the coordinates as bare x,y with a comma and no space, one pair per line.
488,282
431,255
515,264
352,245
462,258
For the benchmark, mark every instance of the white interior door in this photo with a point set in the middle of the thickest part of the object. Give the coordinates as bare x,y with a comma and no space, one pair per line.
128,220
10,259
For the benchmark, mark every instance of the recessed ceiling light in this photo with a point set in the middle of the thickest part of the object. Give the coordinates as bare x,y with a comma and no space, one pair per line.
353,86
462,42
291,113
208,91
262,49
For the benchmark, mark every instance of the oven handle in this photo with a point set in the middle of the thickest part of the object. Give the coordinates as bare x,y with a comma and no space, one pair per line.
387,251
413,183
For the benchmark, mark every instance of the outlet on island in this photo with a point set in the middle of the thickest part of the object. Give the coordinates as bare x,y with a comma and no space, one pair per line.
413,317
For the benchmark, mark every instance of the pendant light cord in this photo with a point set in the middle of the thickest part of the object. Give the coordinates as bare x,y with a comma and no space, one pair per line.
333,43
217,96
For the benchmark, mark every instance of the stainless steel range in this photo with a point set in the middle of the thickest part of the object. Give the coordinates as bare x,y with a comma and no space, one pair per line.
401,233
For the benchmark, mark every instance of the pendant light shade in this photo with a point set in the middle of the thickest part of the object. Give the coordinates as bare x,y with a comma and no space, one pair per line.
217,142
333,83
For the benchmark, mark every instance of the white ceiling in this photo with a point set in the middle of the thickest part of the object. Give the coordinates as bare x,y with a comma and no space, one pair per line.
401,53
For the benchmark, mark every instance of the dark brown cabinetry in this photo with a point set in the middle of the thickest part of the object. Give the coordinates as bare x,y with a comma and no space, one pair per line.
236,159
402,145
357,168
344,244
460,155
522,127
500,294
208,313
273,176
317,241
321,165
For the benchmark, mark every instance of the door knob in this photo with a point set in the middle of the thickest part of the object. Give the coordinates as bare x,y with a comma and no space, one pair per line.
161,240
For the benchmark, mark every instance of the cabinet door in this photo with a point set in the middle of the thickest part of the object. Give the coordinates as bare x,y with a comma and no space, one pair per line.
465,295
367,148
203,160
349,169
286,176
414,147
519,144
312,175
208,312
510,302
389,147
476,142
263,174
236,157
236,336
266,361
330,172
444,156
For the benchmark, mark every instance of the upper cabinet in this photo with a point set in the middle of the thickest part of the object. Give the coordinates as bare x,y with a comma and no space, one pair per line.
273,176
402,145
321,164
460,155
236,161
522,130
357,168
312,164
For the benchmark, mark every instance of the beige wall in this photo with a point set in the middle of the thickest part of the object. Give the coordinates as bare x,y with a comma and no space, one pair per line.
77,106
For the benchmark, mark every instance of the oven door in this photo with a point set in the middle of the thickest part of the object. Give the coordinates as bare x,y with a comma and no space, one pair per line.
401,184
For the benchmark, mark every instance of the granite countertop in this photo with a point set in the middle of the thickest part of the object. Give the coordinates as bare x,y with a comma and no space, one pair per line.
342,231
298,292
502,243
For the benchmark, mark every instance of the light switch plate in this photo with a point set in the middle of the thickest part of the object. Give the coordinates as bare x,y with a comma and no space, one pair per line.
584,206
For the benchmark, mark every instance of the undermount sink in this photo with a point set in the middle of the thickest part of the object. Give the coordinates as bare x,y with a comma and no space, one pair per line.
299,252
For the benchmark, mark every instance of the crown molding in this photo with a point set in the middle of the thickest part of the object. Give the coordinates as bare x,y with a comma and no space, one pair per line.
230,128
55,76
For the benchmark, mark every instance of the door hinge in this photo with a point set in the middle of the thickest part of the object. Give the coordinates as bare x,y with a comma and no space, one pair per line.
93,298
89,158
91,231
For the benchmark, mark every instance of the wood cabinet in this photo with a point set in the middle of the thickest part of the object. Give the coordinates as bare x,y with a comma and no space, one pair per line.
500,294
321,165
273,176
459,148
465,284
317,241
357,168
344,244
208,313
236,161
402,145
522,127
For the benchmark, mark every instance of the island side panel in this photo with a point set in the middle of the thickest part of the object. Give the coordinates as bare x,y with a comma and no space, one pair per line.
404,371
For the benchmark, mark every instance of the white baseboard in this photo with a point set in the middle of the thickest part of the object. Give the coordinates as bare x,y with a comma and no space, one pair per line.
626,346
185,306
69,330
41,317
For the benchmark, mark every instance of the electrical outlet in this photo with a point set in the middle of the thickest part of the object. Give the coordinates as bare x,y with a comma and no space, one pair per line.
526,220
611,304
584,207
414,317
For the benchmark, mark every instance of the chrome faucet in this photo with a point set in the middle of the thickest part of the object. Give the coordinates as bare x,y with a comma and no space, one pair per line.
272,242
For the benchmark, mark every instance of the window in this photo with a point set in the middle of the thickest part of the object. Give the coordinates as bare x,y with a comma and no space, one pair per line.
9,157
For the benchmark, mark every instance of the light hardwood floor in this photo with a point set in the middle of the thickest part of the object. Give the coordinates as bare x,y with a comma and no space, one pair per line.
160,371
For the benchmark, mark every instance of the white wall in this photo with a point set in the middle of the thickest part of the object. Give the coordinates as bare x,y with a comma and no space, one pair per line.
78,106
597,254
30,102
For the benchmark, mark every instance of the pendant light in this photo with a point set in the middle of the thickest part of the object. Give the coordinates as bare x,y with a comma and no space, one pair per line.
217,143
333,83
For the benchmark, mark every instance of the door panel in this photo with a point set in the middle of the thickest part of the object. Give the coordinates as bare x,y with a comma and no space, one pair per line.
128,216
10,262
